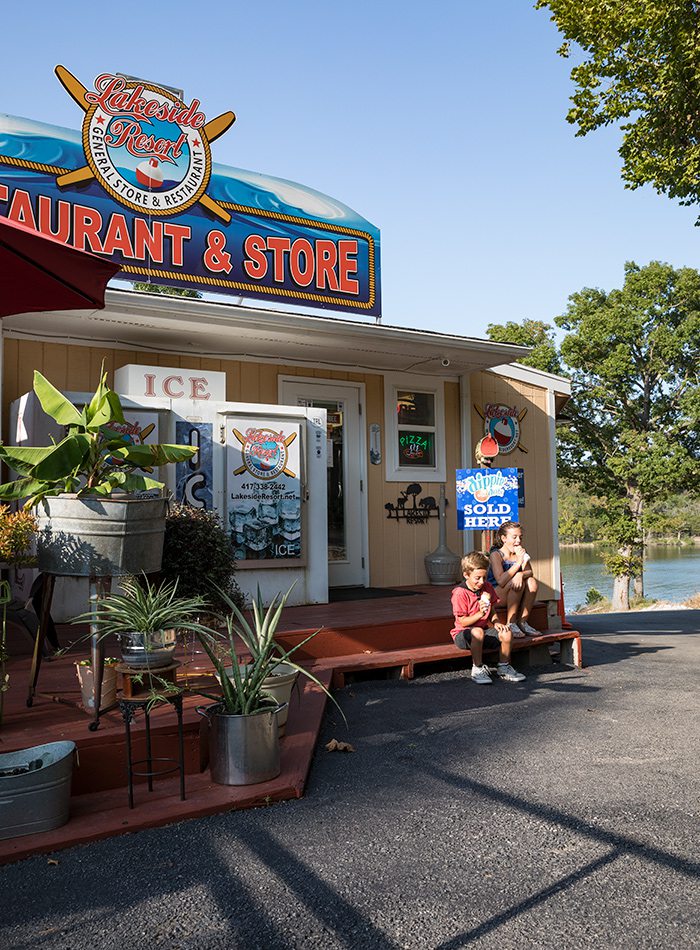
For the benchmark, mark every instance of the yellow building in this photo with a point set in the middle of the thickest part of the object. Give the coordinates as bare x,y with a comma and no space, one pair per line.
364,375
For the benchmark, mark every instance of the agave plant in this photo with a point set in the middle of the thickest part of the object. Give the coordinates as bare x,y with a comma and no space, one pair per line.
242,690
92,458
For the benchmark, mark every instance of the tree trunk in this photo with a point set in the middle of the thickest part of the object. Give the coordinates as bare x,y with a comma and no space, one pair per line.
621,593
638,586
636,503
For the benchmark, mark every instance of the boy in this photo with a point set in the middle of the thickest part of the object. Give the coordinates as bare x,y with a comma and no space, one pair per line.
474,606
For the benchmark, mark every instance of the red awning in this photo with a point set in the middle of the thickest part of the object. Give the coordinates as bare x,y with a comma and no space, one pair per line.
42,273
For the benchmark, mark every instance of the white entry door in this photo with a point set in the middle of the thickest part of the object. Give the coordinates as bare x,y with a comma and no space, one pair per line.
345,460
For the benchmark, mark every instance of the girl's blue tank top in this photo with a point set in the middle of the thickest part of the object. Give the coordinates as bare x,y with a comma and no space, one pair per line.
491,578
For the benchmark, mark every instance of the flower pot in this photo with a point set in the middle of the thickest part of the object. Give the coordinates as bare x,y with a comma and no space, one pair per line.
86,678
243,750
35,789
93,536
148,651
279,685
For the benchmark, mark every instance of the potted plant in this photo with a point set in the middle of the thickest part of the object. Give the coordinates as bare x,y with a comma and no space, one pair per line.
279,685
17,533
197,553
90,523
84,672
146,618
244,733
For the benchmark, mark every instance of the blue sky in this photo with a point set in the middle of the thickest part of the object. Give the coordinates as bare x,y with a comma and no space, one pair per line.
443,124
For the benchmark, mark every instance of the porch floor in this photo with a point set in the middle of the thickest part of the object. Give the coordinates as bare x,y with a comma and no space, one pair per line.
99,805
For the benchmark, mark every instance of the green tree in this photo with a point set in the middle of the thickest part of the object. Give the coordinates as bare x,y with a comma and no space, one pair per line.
638,65
635,408
581,515
146,288
534,333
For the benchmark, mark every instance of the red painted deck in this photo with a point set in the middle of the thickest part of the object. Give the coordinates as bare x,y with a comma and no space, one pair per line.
353,635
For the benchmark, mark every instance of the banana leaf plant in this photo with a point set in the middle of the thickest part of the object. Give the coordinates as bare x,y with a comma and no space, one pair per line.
242,690
92,458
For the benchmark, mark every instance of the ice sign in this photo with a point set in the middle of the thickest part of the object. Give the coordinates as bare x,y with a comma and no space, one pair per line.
486,497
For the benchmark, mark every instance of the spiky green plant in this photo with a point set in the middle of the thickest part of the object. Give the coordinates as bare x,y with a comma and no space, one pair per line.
242,690
143,608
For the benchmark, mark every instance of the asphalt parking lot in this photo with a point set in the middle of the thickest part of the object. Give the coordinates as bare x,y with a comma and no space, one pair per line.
559,812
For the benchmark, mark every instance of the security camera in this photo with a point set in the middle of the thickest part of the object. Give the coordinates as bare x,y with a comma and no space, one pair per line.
445,361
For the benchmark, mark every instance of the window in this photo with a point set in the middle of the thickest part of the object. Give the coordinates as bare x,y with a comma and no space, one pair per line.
415,429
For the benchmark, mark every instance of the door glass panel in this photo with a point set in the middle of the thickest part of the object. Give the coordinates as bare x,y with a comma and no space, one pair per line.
335,436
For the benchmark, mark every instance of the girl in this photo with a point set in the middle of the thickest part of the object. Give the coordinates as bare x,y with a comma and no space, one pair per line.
511,574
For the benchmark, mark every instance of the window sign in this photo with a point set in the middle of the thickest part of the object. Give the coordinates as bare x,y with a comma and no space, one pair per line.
416,449
264,489
486,497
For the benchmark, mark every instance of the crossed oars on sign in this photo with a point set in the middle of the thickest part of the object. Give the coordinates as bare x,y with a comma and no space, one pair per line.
520,417
210,131
242,439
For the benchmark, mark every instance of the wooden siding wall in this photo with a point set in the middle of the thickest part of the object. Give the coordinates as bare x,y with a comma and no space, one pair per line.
396,549
536,517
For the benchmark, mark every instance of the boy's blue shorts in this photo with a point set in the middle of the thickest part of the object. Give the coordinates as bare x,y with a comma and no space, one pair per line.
464,638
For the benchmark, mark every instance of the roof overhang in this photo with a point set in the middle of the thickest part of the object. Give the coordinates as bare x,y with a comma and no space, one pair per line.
228,331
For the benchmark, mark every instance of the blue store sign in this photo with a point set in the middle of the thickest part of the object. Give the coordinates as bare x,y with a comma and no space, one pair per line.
138,185
486,497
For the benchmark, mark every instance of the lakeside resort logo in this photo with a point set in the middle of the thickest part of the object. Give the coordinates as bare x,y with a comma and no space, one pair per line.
146,148
265,453
502,423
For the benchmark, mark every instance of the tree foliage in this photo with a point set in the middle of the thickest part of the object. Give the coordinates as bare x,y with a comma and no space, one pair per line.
147,288
639,68
635,408
534,333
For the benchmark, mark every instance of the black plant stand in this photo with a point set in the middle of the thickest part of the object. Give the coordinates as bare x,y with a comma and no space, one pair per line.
99,587
128,708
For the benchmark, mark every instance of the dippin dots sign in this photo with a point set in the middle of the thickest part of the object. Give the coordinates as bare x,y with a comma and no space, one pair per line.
486,497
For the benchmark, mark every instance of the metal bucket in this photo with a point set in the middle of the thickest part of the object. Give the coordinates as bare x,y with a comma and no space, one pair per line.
243,750
100,536
279,685
148,650
35,789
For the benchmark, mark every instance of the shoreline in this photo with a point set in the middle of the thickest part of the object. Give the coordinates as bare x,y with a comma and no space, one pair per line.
693,542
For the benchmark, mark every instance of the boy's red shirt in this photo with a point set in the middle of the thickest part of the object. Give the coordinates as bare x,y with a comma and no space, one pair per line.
465,603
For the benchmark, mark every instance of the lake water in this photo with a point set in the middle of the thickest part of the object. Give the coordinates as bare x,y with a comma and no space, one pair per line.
670,573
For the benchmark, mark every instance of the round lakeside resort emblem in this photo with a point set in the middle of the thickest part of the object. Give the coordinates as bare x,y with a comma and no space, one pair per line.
145,147
502,423
264,453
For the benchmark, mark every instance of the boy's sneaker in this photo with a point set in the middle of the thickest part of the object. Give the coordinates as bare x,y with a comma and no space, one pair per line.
515,629
526,628
481,675
506,672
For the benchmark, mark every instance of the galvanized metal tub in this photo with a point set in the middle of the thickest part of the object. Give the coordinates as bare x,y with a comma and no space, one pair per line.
84,536
243,750
35,789
148,650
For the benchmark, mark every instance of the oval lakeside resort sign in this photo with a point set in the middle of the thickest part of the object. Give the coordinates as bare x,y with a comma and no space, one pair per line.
138,186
